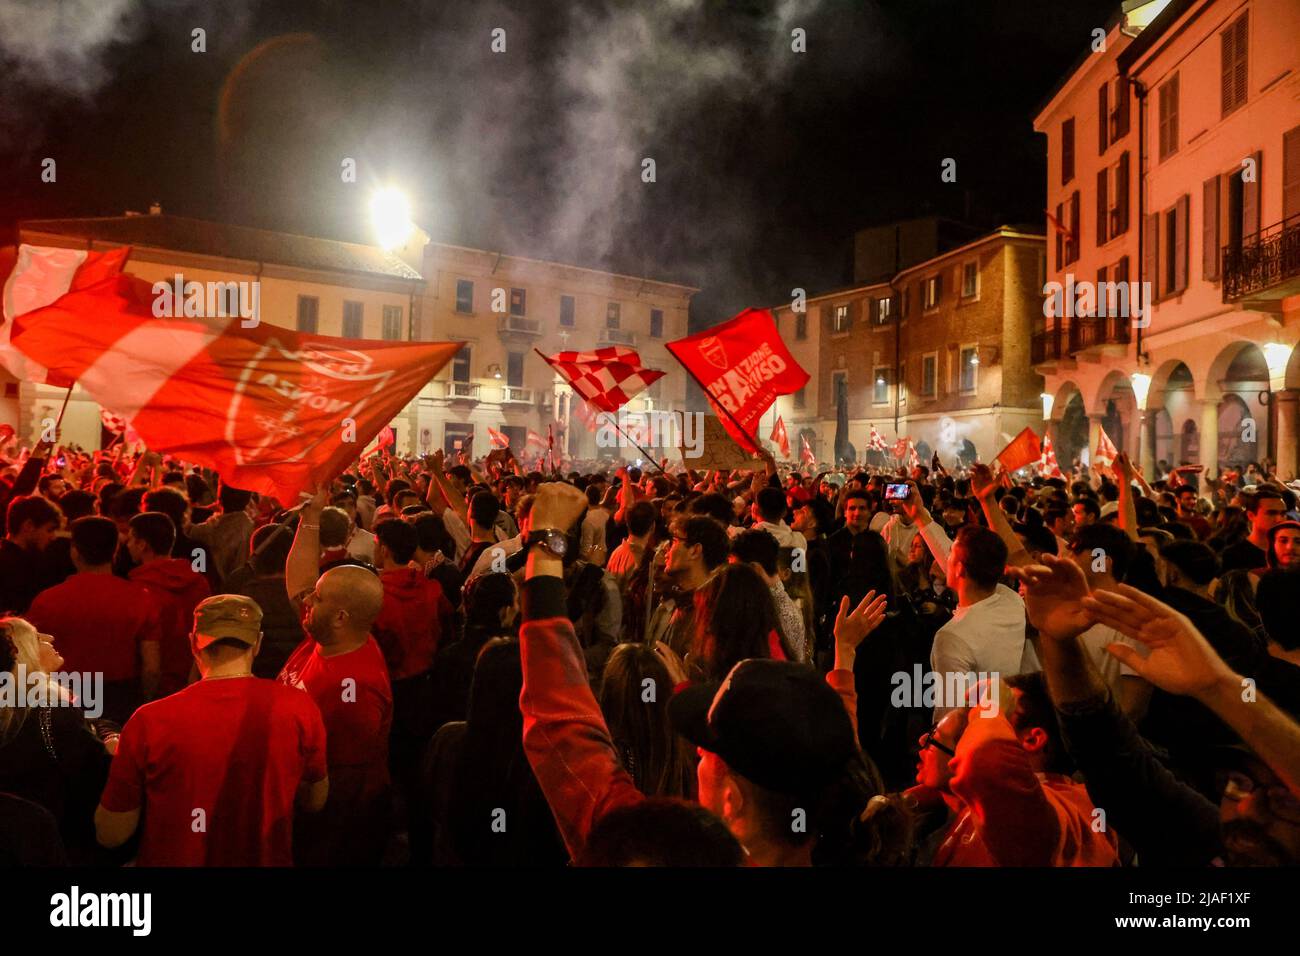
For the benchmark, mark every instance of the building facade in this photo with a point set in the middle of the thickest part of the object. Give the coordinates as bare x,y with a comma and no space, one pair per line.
938,353
502,307
1209,374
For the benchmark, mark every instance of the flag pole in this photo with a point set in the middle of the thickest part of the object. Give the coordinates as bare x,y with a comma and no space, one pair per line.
64,408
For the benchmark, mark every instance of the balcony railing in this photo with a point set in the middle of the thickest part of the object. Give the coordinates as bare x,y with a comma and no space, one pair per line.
1265,265
1046,345
519,325
463,391
1089,331
610,336
511,394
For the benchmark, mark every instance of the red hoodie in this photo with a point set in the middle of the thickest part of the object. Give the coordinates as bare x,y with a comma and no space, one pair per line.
414,617
178,588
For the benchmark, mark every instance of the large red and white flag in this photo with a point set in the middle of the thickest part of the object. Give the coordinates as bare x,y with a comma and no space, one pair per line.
780,437
498,439
1022,450
876,441
607,378
913,457
742,366
806,453
900,447
1106,450
271,410
36,276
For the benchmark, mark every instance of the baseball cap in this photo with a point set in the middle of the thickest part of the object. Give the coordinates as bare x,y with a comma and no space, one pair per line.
227,616
775,723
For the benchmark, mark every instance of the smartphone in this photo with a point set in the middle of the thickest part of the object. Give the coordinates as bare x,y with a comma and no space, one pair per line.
897,492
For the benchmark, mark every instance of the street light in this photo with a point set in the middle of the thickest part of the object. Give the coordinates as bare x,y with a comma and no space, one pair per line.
1141,388
1048,400
390,217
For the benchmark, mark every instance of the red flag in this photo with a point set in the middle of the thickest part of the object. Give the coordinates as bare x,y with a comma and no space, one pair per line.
779,436
1023,450
1106,450
498,439
584,414
36,277
913,457
876,441
534,440
387,437
1047,465
608,378
6,433
272,410
900,448
743,366
806,453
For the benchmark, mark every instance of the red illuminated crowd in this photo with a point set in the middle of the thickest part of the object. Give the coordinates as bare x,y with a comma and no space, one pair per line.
472,663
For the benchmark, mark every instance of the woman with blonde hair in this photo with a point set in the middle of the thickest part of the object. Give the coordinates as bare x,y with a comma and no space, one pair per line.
638,681
48,752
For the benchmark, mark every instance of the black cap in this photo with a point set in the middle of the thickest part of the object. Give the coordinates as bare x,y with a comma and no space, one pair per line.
775,723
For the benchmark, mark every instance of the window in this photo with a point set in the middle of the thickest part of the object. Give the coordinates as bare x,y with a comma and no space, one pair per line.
1067,243
1166,249
801,326
308,313
880,385
1067,151
464,295
1290,174
1103,294
1232,60
1103,113
902,383
515,370
929,368
970,280
455,436
517,436
969,368
518,301
352,320
1119,201
933,291
656,323
841,321
882,309
1119,97
613,315
567,311
1169,118
460,365
392,323
801,398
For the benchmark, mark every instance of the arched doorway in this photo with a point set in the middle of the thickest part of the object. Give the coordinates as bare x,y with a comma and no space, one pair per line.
1189,444
1238,433
1071,432
1172,394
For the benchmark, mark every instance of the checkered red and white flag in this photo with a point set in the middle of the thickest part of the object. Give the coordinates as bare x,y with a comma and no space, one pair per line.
913,458
876,442
607,378
1047,466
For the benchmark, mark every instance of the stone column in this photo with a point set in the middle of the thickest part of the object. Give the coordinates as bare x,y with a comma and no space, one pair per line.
1210,436
1287,418
1146,461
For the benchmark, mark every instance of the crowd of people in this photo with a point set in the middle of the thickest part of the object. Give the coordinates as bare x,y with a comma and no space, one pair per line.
473,663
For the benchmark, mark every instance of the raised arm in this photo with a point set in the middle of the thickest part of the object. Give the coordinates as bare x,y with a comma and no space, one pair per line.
984,485
1124,472
938,542
302,567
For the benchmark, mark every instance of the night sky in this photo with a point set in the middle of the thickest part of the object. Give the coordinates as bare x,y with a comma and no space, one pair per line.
766,160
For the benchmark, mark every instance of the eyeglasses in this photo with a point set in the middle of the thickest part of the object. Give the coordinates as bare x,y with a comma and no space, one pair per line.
1281,801
929,739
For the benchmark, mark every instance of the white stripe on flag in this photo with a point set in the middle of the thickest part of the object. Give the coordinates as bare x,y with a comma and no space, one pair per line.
140,363
41,275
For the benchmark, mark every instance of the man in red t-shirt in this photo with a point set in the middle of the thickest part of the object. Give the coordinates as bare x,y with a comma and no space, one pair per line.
176,586
217,768
101,623
343,670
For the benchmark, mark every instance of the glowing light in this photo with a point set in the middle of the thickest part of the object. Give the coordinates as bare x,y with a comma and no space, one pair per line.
1276,355
1141,387
1048,400
390,217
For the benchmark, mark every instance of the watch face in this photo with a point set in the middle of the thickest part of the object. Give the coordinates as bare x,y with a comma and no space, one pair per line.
557,543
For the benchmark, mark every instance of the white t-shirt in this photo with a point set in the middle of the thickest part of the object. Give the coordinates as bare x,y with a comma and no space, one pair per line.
1094,641
986,638
899,538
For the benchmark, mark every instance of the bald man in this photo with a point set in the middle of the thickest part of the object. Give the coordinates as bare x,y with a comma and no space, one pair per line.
341,666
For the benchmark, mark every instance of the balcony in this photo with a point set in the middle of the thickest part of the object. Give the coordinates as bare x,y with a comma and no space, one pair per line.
519,326
610,336
1046,346
1265,268
463,392
513,395
1101,334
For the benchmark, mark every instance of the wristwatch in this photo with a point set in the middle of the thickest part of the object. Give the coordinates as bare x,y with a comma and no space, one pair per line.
551,540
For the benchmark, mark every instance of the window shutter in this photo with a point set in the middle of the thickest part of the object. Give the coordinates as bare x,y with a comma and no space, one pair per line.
1103,117
1151,254
1173,114
1210,229
1291,173
1163,122
1239,65
1067,151
1121,196
1121,270
1060,236
1182,208
1227,60
1102,305
1250,200
1076,226
1121,108
1103,177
